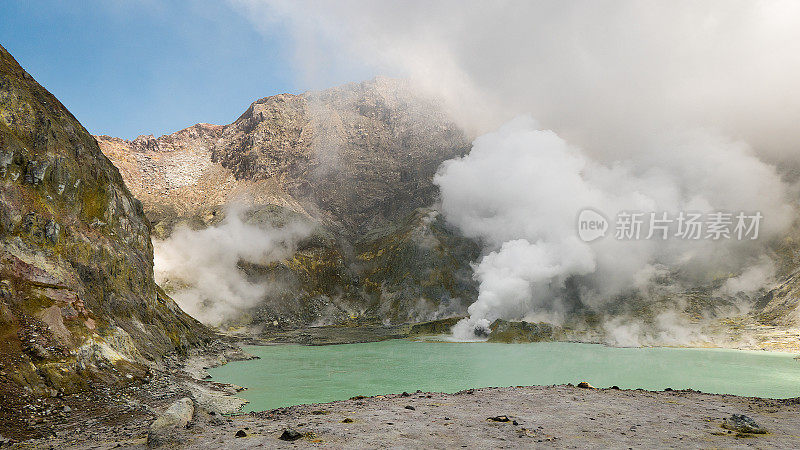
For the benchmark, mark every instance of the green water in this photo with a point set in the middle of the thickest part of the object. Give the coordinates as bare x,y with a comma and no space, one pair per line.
293,374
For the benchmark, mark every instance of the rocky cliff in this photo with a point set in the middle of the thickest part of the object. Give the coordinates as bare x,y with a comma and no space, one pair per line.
356,162
77,297
354,157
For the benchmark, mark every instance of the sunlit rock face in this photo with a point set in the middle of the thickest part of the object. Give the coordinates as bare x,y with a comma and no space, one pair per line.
354,157
355,164
76,271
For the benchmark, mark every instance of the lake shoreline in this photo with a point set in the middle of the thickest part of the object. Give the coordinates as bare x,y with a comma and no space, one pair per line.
748,336
285,375
123,417
556,416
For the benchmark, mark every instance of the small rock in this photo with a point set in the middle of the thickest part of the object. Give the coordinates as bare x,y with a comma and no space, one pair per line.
411,408
241,434
290,435
499,419
614,387
217,421
347,420
585,385
742,424
67,409
405,394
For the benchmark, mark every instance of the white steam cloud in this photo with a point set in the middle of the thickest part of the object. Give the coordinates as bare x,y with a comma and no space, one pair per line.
520,190
200,269
642,105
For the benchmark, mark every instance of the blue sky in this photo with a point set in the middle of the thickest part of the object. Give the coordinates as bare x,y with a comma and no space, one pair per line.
126,68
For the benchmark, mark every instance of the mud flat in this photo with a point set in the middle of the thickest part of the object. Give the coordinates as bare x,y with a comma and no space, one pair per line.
547,416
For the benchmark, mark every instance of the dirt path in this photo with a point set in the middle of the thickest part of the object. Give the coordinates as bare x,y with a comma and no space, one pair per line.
557,416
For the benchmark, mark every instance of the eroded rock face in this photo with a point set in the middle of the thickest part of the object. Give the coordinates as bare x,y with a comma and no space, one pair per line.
357,156
76,261
357,162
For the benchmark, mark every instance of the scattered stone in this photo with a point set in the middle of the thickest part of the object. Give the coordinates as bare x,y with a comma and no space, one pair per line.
585,385
217,421
320,412
499,419
241,434
178,415
411,408
67,409
290,435
742,424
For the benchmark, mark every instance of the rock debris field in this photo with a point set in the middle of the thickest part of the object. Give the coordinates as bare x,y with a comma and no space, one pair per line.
547,416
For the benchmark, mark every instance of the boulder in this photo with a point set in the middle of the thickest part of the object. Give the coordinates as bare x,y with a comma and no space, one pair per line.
742,424
290,435
178,415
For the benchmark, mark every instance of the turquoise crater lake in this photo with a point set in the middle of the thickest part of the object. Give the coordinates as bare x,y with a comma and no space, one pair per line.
294,374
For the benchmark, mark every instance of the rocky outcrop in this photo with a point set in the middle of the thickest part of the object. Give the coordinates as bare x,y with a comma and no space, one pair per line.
357,163
523,332
77,296
412,271
418,270
354,157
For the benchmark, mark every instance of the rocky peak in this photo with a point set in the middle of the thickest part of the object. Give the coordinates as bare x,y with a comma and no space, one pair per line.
354,156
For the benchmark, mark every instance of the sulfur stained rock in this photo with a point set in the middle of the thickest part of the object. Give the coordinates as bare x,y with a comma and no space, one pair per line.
35,172
65,283
51,230
742,424
522,332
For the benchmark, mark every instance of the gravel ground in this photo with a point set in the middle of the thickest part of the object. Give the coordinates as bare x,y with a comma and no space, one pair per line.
549,416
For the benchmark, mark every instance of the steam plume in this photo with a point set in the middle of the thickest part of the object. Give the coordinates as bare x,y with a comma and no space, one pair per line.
200,268
642,105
